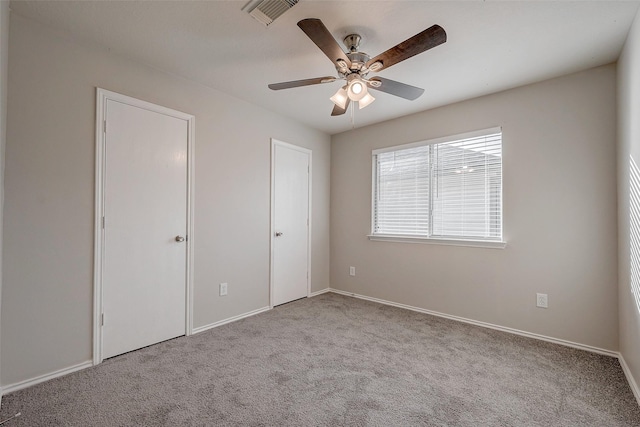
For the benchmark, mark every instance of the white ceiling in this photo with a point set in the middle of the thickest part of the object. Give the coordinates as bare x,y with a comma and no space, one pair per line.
491,46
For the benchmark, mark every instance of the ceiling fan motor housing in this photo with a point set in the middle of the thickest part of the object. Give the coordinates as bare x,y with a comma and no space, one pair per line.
358,59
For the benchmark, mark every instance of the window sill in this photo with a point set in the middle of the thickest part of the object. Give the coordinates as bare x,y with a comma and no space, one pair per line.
435,241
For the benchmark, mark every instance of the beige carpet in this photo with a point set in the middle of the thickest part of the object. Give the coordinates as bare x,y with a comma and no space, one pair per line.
338,361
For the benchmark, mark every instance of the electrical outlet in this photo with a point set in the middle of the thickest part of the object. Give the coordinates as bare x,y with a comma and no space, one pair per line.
223,289
542,300
352,271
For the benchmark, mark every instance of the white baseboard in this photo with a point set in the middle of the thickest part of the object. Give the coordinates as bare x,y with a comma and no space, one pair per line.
632,382
61,372
229,320
320,292
484,324
625,368
46,377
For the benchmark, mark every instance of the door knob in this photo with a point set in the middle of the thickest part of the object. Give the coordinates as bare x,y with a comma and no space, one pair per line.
179,239
278,233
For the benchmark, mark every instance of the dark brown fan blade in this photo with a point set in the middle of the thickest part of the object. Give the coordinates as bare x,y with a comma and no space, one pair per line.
429,38
337,111
396,88
318,33
298,83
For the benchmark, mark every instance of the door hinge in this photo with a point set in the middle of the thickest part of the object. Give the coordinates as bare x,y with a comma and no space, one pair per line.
102,319
104,126
103,223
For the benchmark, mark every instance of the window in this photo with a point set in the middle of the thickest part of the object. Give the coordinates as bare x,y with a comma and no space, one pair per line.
444,189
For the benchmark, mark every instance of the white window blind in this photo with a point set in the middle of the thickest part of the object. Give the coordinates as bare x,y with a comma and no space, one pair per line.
445,189
402,192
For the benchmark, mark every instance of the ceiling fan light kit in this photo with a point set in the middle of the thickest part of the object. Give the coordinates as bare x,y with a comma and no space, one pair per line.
340,98
366,100
354,66
357,88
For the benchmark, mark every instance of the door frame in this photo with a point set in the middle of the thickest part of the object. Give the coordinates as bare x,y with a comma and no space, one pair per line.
274,143
102,96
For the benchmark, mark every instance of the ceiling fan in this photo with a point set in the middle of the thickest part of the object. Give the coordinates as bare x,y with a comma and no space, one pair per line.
354,66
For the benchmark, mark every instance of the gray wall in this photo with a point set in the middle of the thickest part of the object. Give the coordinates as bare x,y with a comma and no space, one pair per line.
49,189
559,172
628,150
4,56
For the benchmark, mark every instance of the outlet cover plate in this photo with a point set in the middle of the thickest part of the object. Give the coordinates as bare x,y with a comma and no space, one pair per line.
352,271
223,289
542,301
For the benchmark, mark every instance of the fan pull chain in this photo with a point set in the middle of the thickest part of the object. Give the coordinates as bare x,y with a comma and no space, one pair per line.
353,109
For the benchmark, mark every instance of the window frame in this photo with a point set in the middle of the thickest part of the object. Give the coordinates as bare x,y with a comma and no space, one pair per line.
431,239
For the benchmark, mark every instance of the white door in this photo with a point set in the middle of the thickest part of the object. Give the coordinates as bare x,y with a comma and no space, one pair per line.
145,222
290,226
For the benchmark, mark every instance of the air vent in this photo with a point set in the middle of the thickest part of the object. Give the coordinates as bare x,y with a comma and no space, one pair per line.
267,11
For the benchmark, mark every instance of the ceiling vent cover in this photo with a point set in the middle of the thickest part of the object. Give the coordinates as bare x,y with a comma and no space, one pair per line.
267,11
